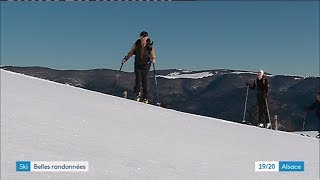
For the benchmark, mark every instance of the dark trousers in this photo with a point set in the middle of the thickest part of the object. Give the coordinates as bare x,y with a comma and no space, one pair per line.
141,71
262,109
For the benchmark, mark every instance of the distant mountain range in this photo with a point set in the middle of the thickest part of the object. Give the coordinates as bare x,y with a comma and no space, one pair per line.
216,93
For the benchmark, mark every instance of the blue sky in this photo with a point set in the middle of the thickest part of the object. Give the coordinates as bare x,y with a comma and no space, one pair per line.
281,37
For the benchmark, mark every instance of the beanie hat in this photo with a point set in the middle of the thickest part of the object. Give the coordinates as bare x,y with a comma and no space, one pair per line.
144,34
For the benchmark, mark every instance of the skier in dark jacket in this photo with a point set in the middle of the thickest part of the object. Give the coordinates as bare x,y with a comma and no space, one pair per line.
316,106
144,55
261,85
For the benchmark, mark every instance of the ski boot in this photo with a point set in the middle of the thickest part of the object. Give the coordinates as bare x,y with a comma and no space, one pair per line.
125,94
318,136
146,101
268,126
138,97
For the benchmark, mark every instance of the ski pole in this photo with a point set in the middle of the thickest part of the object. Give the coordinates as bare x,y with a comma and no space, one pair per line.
117,76
156,83
276,121
268,112
245,106
304,121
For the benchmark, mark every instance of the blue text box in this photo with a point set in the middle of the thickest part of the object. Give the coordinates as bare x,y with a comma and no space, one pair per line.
291,166
23,166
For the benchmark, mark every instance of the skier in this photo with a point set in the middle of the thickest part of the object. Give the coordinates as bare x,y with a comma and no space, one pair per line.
144,55
316,106
262,86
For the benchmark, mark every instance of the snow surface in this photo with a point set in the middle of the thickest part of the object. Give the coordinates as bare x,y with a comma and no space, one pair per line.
243,72
185,74
123,139
178,75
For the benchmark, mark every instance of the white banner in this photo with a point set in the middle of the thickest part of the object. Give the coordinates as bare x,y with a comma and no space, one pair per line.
59,166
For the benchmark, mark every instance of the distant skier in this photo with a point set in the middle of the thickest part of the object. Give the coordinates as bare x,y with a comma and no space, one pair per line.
262,86
144,55
316,106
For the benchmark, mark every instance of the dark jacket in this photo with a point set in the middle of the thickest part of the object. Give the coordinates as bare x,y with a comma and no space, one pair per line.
262,86
315,106
142,56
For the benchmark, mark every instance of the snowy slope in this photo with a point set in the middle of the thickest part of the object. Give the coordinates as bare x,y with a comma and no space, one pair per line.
186,75
123,139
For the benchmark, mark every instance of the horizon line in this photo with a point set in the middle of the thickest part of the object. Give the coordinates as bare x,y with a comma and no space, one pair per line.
178,69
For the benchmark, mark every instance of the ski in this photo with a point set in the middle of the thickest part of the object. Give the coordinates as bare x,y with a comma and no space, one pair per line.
306,135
